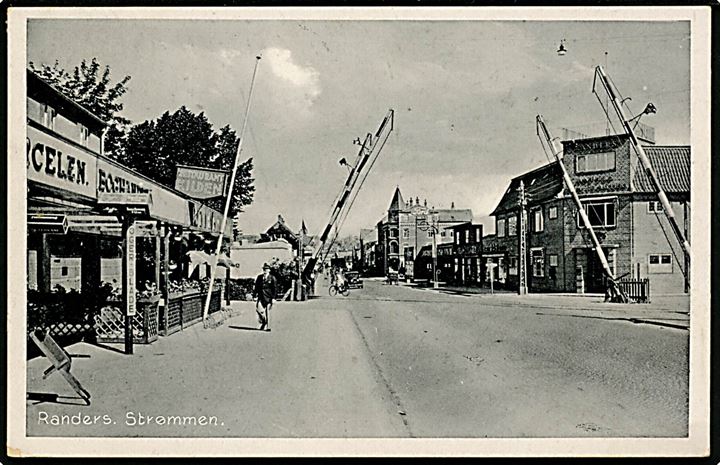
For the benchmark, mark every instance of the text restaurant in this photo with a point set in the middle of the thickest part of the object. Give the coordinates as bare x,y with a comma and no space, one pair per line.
107,245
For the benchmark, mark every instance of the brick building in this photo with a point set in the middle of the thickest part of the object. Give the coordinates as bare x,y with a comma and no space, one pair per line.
404,231
622,206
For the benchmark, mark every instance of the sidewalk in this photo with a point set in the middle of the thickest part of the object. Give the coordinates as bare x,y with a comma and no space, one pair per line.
230,381
671,311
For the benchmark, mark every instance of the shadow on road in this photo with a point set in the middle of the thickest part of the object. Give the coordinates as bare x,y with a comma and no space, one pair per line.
245,328
107,347
45,397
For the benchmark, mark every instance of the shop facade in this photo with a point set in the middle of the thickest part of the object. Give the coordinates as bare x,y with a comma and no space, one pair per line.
75,200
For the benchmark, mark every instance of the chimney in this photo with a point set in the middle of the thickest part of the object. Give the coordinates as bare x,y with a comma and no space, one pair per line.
417,200
452,205
425,203
411,201
281,219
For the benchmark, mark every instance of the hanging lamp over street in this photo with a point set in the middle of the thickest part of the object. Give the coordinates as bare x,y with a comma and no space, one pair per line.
561,51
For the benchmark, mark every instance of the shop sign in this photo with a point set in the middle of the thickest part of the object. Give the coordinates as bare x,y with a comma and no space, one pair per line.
200,183
495,247
444,251
47,223
468,249
130,257
204,217
116,179
135,203
55,163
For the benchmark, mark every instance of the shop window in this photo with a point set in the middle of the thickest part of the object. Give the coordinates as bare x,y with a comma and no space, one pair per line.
538,225
513,266
538,262
655,206
600,213
512,226
552,213
660,263
500,228
595,162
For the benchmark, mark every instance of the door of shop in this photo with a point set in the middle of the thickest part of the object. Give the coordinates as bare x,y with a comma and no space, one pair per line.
595,279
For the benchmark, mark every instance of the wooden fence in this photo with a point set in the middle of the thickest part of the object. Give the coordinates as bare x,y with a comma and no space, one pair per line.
637,290
183,310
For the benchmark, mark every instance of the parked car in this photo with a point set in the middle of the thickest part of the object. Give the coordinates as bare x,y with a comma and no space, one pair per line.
353,279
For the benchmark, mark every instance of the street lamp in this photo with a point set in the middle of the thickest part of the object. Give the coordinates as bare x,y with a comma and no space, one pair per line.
433,229
344,162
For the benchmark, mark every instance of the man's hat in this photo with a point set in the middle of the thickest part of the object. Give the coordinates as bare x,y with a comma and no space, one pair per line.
266,267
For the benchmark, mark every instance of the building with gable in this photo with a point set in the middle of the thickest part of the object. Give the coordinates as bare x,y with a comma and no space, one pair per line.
622,206
406,229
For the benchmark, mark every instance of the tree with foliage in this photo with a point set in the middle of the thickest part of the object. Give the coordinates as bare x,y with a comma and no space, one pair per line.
89,86
155,147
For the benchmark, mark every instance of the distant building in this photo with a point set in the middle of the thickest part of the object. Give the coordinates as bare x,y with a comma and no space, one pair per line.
250,258
367,248
408,226
622,205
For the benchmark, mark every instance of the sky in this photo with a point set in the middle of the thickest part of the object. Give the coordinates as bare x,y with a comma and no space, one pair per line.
465,95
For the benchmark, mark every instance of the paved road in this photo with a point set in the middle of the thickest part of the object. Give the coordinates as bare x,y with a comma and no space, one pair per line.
387,361
459,366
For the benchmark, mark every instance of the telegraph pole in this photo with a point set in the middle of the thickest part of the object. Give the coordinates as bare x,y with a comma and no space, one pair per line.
522,248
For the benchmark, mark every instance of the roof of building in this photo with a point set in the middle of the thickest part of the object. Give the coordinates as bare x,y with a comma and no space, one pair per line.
672,165
368,235
38,87
541,184
454,215
463,225
397,202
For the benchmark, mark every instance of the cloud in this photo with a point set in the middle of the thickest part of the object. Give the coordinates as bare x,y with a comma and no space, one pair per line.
305,80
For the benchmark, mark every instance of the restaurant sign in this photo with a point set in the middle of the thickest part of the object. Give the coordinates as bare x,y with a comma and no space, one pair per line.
200,183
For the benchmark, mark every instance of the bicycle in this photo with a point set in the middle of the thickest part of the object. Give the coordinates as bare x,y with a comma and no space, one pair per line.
335,289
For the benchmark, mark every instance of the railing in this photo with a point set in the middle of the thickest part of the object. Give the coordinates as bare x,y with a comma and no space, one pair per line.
637,290
110,323
185,309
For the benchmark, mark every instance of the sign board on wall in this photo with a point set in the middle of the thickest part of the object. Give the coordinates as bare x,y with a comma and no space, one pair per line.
130,252
55,163
45,222
200,183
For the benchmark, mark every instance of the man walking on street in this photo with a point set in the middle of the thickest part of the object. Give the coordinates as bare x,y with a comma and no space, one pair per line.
265,290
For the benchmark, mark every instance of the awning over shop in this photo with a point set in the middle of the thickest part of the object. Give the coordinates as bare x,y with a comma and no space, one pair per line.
198,257
95,224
